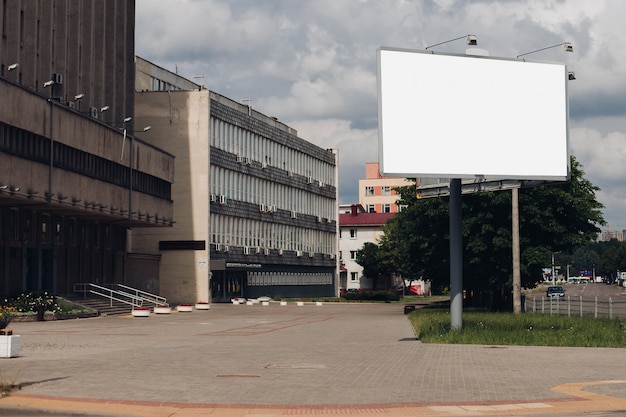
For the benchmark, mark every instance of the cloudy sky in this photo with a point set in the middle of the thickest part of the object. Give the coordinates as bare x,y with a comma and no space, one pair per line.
312,64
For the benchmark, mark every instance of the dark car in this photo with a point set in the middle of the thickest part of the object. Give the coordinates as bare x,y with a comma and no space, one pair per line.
555,291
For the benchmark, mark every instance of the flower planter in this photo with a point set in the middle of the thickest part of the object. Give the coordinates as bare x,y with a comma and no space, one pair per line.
162,309
9,346
184,308
203,306
318,303
265,303
141,312
283,303
300,303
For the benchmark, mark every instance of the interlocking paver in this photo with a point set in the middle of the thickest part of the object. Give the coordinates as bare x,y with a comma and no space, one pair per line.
357,359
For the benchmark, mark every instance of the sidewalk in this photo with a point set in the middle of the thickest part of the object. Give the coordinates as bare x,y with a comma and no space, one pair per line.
334,359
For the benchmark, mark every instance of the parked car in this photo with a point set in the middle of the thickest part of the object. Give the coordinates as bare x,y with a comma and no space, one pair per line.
555,291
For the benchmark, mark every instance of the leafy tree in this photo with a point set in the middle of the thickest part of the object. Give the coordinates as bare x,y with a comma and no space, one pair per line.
376,264
553,218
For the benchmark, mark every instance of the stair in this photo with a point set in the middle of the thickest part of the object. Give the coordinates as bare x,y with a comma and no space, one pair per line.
102,305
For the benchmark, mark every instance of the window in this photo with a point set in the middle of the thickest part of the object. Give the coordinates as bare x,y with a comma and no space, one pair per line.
45,229
402,207
386,190
386,208
369,191
371,208
353,255
352,233
354,276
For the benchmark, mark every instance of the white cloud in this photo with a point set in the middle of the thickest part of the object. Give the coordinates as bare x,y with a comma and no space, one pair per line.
312,64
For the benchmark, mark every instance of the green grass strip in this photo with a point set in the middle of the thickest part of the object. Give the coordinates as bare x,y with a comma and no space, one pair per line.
432,325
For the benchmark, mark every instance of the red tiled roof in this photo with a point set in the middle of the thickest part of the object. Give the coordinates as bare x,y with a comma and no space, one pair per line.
364,219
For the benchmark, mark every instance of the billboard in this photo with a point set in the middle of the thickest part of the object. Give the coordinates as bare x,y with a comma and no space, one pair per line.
464,116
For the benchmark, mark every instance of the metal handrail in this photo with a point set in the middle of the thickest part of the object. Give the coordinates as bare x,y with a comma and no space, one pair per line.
146,296
127,297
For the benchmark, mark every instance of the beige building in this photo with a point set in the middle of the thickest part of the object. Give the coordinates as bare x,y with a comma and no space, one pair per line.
255,205
376,193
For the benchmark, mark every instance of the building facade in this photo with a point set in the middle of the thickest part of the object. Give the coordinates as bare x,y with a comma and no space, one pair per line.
357,226
376,193
73,181
255,205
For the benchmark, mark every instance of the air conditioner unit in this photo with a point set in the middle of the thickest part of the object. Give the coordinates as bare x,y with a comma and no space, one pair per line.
257,250
290,173
57,78
218,247
263,165
294,214
281,251
299,253
322,184
311,254
222,199
246,250
213,198
319,219
226,248
266,251
309,180
239,158
248,161
93,112
262,208
331,256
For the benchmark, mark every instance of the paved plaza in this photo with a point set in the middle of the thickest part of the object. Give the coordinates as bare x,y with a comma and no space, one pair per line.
333,359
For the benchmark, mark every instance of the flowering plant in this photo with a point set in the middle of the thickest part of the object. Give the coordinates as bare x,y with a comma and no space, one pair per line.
6,313
35,301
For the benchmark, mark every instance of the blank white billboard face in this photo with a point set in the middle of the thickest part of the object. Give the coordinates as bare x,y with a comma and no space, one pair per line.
462,116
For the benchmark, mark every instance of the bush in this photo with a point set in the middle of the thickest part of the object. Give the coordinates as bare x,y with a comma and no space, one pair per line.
34,301
386,296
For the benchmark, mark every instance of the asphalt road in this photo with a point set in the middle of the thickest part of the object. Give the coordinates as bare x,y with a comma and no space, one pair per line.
595,299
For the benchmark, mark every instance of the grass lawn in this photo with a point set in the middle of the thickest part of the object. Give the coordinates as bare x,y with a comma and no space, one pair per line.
432,325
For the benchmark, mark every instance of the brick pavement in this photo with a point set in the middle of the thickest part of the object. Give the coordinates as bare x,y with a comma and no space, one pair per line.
359,359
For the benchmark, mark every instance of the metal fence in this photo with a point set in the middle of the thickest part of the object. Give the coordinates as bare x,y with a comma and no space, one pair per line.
576,306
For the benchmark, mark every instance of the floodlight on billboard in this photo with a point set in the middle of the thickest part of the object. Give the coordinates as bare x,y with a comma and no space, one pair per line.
465,116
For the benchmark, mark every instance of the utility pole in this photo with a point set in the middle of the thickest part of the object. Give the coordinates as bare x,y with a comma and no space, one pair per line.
517,279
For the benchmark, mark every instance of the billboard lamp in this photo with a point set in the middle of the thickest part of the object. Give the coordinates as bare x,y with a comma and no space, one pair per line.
566,46
470,39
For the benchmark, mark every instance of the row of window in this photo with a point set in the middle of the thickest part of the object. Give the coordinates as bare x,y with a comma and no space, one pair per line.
237,231
247,144
384,190
241,187
35,147
30,227
351,232
289,278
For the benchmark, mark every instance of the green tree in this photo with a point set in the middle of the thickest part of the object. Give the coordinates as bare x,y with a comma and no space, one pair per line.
553,218
376,264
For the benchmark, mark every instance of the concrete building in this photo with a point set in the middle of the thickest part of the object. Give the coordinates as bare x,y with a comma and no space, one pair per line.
73,177
255,205
376,193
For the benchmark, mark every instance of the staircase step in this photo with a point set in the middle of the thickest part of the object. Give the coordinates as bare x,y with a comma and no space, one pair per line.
103,306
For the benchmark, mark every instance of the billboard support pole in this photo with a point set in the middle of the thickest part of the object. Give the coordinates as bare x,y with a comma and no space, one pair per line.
456,256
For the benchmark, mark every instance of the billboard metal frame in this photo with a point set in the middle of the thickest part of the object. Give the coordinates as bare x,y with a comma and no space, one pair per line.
465,116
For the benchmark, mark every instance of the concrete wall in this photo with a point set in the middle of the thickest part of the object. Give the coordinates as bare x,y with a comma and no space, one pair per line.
51,119
91,44
180,125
